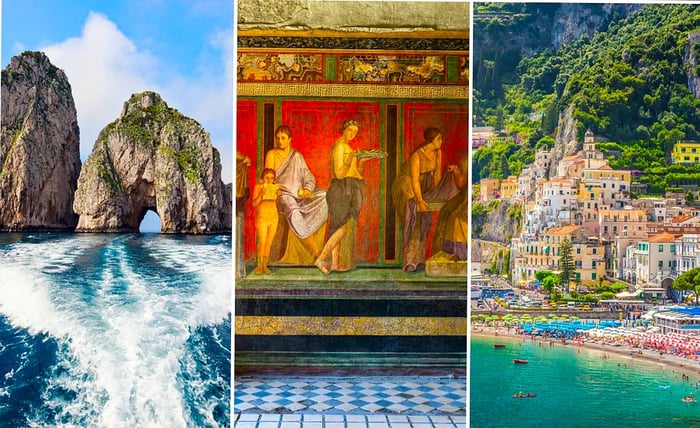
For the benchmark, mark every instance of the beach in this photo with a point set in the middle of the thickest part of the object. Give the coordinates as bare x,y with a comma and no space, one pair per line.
684,366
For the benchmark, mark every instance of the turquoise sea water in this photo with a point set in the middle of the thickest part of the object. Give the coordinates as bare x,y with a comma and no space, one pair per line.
575,387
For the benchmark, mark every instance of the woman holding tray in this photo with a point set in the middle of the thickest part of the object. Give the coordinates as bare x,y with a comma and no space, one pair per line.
344,197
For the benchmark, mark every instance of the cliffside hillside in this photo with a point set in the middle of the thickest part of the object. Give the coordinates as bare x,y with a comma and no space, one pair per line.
506,33
497,221
632,82
39,146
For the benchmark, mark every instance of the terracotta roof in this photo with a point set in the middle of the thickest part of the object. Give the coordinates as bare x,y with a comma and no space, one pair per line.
663,237
562,230
681,218
560,180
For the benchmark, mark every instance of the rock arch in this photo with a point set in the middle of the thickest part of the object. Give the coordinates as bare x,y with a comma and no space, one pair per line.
152,157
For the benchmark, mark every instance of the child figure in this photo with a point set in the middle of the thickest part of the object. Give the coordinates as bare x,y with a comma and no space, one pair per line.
266,217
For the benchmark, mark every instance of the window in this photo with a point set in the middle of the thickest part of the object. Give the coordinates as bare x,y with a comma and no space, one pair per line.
593,275
661,264
578,264
578,251
686,158
661,248
594,250
673,248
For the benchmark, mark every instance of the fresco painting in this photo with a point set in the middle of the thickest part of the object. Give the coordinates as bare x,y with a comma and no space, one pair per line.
393,89
285,67
315,125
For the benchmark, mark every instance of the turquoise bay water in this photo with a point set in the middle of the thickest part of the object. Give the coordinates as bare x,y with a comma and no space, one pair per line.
575,388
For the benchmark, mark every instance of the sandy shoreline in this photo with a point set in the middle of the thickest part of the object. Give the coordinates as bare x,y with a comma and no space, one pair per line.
683,365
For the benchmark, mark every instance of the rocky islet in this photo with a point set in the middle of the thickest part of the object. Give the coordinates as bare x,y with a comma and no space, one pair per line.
150,158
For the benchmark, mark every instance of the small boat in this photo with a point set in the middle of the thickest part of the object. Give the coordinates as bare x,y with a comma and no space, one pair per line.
499,345
519,361
688,399
521,395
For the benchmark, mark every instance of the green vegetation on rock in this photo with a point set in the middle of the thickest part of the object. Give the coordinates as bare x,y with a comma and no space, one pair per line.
628,83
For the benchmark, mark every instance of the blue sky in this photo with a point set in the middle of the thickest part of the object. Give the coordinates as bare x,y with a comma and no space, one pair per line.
110,49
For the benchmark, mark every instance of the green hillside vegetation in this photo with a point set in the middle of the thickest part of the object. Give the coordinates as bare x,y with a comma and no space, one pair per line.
628,84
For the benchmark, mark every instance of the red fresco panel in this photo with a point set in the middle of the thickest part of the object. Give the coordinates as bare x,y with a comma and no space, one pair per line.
246,143
452,120
316,126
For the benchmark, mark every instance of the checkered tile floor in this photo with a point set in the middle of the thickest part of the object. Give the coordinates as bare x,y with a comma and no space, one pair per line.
385,395
251,420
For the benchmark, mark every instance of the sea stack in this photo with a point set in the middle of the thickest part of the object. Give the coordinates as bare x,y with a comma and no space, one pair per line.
152,157
39,147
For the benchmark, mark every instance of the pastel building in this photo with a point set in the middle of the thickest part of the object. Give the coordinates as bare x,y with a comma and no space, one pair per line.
621,229
543,160
526,183
558,201
614,185
509,187
593,157
488,188
686,152
654,207
687,252
655,259
541,252
589,259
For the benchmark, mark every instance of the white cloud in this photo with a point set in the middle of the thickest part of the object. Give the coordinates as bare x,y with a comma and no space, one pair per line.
104,68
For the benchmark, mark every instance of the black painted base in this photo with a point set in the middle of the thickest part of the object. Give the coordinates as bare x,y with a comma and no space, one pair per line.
364,295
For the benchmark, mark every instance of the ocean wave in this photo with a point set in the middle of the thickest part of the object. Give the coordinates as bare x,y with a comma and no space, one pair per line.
123,310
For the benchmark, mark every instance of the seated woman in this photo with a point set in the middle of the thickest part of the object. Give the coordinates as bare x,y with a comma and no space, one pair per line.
300,201
451,229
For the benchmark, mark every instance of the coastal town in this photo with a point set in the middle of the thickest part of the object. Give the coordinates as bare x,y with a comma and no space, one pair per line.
641,244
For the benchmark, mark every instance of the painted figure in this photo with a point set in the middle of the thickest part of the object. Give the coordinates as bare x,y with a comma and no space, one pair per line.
300,201
345,199
418,176
265,196
242,194
451,229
